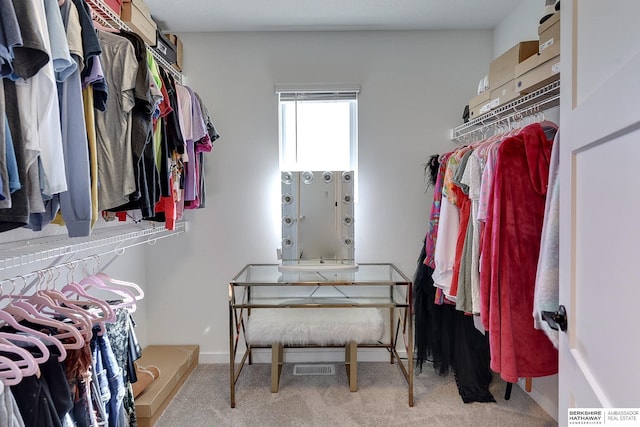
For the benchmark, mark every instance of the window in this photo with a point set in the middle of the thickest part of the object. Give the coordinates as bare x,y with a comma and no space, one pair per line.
318,129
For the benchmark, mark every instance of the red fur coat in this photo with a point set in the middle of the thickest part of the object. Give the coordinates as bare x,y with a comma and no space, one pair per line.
510,248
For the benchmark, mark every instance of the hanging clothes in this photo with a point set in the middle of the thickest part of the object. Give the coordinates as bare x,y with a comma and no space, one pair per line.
547,293
445,336
483,241
75,203
116,178
510,253
145,94
10,415
83,127
126,351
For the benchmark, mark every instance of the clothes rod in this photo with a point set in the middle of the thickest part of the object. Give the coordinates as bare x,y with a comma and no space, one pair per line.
547,96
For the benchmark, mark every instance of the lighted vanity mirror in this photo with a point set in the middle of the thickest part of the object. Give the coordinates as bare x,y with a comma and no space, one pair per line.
318,221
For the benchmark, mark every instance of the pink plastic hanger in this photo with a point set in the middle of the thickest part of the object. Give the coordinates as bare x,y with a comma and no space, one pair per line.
72,289
10,373
61,300
123,294
11,338
12,322
45,305
104,313
128,292
26,363
66,335
20,309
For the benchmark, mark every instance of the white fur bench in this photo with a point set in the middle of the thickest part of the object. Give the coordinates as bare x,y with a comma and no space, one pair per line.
300,327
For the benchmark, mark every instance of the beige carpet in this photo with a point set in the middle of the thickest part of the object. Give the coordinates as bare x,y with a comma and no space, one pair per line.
326,401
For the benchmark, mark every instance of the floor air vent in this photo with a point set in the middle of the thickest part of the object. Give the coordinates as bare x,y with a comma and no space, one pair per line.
314,369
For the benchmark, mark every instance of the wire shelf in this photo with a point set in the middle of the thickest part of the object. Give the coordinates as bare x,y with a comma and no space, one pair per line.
547,96
25,252
108,18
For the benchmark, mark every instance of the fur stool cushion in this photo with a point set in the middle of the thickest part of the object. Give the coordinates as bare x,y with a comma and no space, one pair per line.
314,326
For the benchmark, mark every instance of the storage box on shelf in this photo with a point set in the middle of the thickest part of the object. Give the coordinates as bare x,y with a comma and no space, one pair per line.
549,34
544,68
501,69
179,50
166,48
479,104
136,14
540,75
503,94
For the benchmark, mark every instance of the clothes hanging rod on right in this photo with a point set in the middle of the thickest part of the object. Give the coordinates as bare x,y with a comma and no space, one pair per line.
548,96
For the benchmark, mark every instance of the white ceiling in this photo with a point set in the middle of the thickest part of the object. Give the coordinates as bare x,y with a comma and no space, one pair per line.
323,15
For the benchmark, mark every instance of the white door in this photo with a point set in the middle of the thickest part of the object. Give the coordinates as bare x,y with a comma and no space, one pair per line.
600,205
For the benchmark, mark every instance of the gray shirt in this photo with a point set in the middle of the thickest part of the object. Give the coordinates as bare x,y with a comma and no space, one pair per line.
32,55
10,36
116,179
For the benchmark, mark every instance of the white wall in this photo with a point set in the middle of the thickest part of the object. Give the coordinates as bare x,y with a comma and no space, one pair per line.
414,86
520,25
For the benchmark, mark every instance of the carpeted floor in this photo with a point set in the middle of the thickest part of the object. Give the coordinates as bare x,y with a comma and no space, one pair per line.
326,401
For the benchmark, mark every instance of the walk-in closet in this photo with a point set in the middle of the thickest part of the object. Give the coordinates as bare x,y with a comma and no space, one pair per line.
316,213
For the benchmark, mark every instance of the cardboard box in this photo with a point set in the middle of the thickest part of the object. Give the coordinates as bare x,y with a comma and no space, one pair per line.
501,69
165,48
549,33
553,20
175,362
135,13
141,6
115,5
526,65
503,94
479,104
479,110
179,50
541,75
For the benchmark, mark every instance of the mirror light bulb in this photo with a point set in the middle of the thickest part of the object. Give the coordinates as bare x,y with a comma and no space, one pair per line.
287,177
307,177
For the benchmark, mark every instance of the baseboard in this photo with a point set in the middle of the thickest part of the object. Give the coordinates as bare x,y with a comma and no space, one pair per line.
543,392
303,355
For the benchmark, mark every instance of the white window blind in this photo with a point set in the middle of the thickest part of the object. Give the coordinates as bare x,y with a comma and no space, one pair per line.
318,127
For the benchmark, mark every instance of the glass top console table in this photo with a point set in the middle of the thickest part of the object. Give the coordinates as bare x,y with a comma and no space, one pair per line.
265,286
